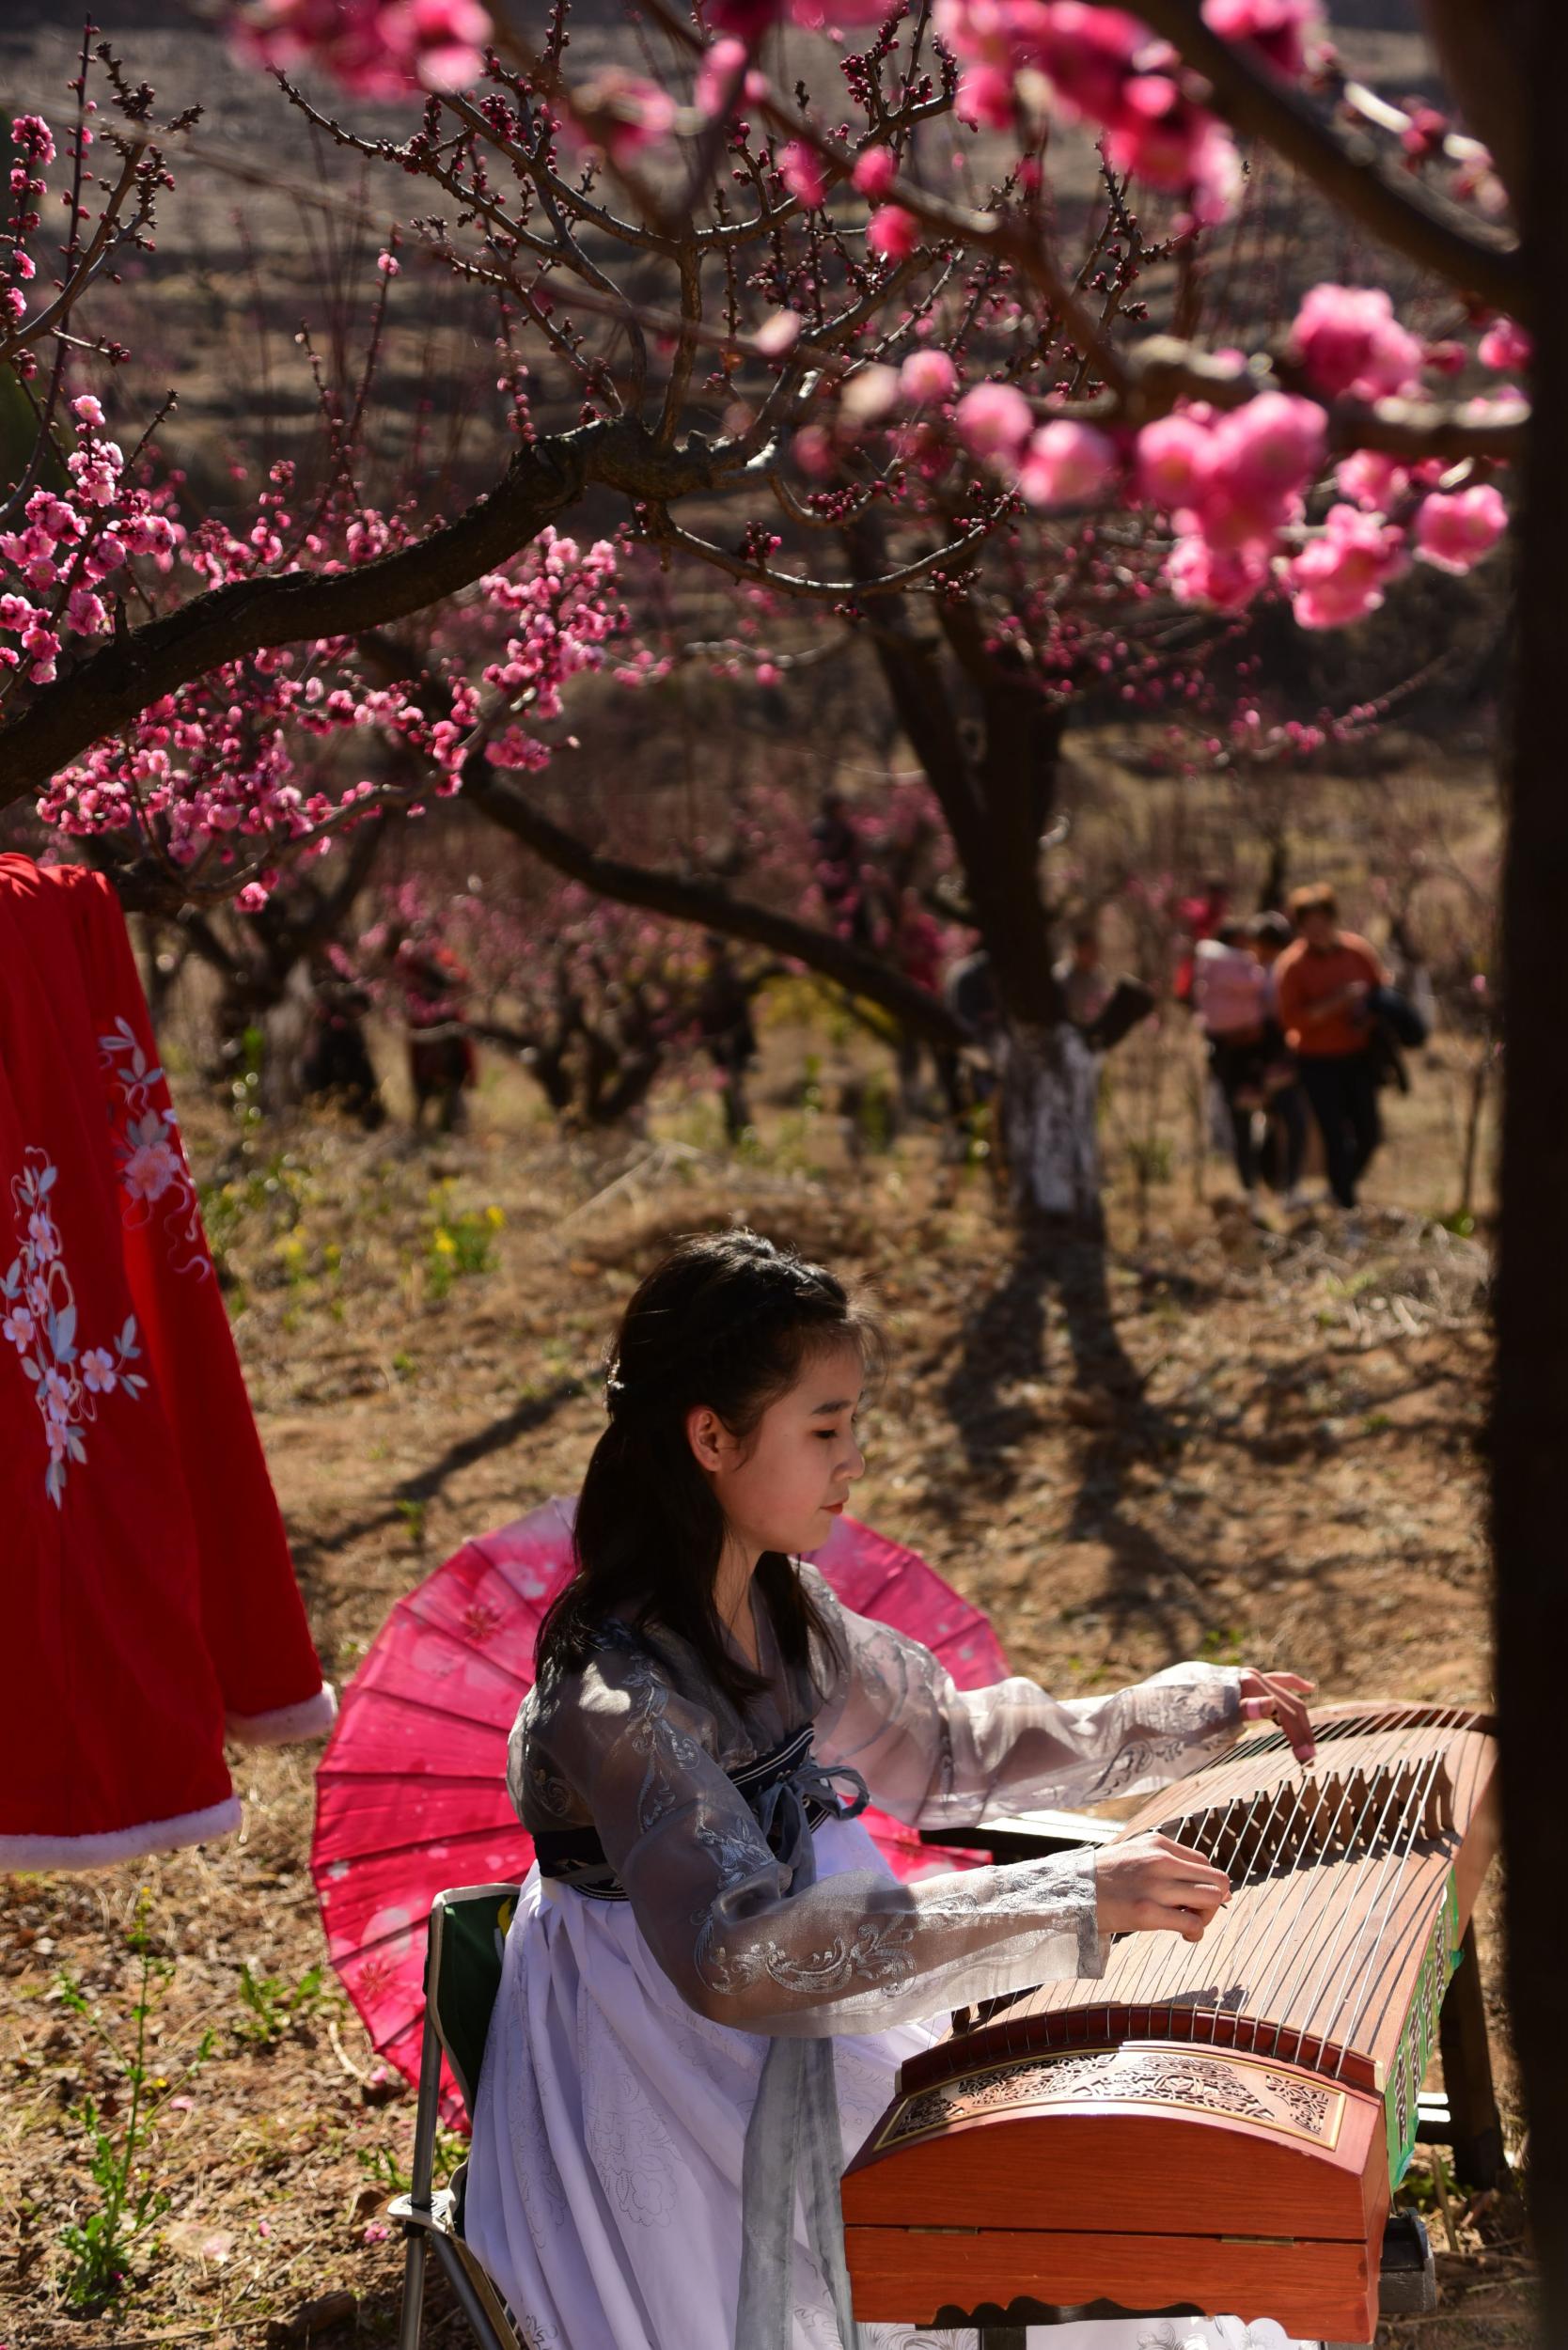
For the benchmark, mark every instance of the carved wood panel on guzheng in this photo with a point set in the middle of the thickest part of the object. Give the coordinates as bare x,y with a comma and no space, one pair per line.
1217,2127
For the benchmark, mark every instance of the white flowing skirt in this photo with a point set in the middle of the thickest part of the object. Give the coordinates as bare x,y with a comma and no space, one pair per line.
604,2180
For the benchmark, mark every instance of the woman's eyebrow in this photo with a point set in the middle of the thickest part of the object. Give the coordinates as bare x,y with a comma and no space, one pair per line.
845,1403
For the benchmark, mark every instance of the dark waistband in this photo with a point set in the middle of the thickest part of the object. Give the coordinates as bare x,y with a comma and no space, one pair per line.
577,1855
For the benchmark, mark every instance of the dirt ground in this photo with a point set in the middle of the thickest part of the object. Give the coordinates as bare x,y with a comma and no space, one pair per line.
1240,1444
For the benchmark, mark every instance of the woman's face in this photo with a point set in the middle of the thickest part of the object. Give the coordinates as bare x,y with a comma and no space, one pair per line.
781,1487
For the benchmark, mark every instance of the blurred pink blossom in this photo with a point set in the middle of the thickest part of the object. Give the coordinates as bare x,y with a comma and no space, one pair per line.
994,421
1454,529
1339,576
893,232
1349,340
928,375
1065,463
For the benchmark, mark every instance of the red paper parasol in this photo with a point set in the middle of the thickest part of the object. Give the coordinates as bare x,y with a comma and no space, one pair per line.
411,1794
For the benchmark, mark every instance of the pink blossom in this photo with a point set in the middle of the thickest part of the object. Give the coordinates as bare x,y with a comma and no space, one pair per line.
1227,578
927,376
98,1374
1348,340
1088,54
1066,464
18,1326
1175,455
1264,455
875,172
87,411
1454,529
994,421
1278,29
870,394
777,334
623,113
1339,576
802,174
1505,344
719,72
986,98
376,48
893,232
1370,479
388,264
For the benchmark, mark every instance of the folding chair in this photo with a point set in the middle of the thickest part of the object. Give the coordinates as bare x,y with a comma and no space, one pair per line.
462,1974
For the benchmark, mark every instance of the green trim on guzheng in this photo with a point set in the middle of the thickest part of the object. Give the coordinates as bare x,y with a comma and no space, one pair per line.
1420,2036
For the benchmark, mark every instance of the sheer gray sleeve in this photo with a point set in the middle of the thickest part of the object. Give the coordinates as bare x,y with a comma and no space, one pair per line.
853,1952
938,1756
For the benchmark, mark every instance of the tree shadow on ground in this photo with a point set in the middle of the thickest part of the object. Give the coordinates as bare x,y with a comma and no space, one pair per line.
425,1484
1054,1300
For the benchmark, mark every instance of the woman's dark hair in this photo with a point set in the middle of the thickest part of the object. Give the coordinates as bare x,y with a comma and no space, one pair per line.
728,1321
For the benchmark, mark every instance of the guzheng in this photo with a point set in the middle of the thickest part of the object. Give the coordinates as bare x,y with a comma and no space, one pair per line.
1212,2128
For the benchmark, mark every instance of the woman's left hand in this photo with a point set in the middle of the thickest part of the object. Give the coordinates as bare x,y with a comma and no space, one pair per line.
1280,1696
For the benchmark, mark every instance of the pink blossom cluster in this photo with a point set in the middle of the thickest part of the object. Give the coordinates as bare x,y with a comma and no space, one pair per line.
1097,65
33,149
250,760
560,610
376,48
1231,481
52,568
1348,343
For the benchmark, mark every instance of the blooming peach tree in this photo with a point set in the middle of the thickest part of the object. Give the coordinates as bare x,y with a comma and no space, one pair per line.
856,326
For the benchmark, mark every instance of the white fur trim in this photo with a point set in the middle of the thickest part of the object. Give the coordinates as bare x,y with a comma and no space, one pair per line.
311,1718
120,1843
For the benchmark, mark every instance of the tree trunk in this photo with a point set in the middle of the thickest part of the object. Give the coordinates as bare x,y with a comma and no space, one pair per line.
1529,1440
1050,1088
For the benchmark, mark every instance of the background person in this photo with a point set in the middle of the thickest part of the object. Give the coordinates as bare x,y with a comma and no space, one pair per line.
1229,996
1324,983
1282,1153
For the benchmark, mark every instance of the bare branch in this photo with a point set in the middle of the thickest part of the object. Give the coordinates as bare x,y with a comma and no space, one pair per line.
685,898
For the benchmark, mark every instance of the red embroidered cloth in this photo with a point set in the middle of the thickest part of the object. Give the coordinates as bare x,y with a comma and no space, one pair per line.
149,1584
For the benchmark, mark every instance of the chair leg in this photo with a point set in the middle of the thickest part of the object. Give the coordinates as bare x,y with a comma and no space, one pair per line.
473,2308
426,2116
413,2291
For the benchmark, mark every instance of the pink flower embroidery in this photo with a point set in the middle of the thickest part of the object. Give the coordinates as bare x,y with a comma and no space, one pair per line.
150,1170
43,1331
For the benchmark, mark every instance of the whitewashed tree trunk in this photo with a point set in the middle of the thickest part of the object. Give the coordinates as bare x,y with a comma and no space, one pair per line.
1050,1085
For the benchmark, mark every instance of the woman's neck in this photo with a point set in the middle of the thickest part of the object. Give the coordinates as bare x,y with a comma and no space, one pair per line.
732,1596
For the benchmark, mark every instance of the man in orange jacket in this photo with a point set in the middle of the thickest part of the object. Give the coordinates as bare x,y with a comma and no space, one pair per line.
1325,983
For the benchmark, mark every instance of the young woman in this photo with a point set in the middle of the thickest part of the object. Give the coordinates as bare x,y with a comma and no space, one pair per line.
711,1978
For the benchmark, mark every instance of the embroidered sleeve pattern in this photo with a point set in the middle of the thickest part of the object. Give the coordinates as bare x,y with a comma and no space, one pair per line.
938,1756
850,1953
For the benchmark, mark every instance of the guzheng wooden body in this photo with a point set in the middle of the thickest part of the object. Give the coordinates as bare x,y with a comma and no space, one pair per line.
1214,2127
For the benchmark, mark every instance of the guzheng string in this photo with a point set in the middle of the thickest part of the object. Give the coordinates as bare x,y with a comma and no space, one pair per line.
1272,1991
1290,1819
1389,1899
1321,1976
1315,1958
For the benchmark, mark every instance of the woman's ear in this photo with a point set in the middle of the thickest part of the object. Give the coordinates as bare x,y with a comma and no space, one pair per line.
707,1435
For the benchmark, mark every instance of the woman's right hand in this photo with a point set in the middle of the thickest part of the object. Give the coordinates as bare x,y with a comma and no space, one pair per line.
1151,1885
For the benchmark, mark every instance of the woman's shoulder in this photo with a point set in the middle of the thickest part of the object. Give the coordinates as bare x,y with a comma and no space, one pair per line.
621,1690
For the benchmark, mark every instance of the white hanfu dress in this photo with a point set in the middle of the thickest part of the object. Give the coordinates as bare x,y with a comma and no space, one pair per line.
629,2038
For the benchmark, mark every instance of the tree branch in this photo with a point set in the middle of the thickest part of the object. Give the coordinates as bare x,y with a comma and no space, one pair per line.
683,898
106,691
1350,170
